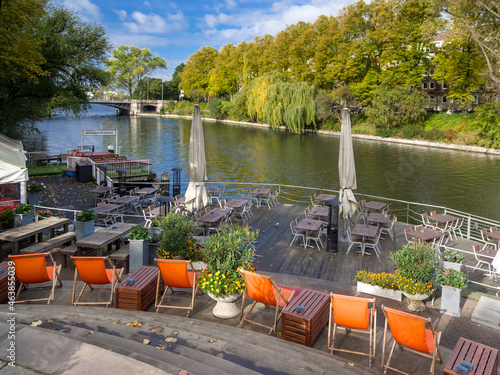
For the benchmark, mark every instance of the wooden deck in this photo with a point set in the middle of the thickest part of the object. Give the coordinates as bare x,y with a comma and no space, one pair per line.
273,253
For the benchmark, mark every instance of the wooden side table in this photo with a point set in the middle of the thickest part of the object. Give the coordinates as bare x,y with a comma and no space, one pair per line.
304,327
141,294
483,357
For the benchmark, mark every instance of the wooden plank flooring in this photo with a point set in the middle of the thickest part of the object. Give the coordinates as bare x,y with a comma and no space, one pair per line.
273,253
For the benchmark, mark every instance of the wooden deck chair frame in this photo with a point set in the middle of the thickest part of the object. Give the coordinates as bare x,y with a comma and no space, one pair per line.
113,272
27,276
358,317
277,291
185,282
436,336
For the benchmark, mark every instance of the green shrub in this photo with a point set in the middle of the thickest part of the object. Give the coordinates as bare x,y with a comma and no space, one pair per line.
86,215
139,233
176,237
214,108
24,208
7,219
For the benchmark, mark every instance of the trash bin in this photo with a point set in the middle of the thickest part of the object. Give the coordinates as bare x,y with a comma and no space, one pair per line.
83,171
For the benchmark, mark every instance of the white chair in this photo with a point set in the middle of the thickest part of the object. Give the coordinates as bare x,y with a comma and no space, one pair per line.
353,240
274,197
314,203
375,244
199,226
409,240
389,229
487,240
456,227
485,256
147,218
316,237
426,221
296,233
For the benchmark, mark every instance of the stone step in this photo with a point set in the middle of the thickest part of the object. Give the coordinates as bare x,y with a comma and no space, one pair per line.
487,312
244,351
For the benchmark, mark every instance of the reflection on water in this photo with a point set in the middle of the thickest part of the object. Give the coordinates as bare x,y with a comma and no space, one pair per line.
465,181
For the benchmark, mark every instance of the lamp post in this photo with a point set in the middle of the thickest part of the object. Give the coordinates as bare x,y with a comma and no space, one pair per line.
165,204
176,187
332,244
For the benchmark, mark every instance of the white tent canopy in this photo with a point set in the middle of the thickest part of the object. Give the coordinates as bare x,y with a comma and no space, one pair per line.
12,164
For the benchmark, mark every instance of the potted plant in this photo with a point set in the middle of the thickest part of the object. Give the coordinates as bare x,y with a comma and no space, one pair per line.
452,259
452,282
84,225
23,214
44,214
176,237
34,189
379,284
6,218
139,247
224,252
416,273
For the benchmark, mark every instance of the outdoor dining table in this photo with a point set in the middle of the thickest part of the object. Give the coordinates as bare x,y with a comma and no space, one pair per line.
375,206
495,235
213,190
214,215
33,231
147,191
102,190
320,212
322,198
237,203
426,234
378,218
309,225
259,192
179,201
365,231
443,218
107,208
103,238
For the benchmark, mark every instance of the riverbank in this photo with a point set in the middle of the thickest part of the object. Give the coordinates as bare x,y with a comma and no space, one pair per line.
413,142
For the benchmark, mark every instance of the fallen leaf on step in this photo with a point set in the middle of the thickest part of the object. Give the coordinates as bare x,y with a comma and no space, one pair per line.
175,333
151,324
160,347
351,364
37,323
146,341
157,329
183,372
212,340
50,321
220,355
171,339
91,332
117,322
135,323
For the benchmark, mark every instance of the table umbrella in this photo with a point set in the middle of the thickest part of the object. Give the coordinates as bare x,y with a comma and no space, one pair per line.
347,168
196,194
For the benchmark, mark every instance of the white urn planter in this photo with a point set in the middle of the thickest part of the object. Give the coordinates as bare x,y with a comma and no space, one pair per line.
84,229
415,302
452,266
450,301
23,219
378,291
226,307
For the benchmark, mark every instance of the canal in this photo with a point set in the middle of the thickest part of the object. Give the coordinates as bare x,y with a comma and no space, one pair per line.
461,180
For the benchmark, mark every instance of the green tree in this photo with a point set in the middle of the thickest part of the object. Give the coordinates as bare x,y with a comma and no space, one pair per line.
196,72
225,76
171,88
57,67
130,64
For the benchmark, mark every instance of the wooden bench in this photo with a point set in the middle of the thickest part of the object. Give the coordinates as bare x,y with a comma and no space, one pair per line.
50,244
141,294
121,256
66,253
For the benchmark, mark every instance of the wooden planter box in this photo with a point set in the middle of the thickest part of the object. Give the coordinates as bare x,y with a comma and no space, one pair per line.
141,294
378,291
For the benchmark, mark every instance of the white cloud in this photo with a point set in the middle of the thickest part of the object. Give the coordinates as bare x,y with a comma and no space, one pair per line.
153,23
121,14
88,11
147,4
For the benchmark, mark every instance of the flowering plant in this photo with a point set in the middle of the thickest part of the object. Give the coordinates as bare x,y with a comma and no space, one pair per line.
44,213
176,238
453,256
383,280
35,187
227,250
410,286
86,215
452,278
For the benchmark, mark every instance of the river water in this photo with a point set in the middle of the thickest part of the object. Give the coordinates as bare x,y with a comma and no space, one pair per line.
461,180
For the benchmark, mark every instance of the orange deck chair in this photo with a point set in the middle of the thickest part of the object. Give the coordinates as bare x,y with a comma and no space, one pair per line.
410,331
93,271
175,274
32,269
263,289
355,314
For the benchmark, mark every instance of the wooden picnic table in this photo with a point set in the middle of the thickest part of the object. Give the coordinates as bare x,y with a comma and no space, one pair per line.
443,218
322,198
426,234
33,231
214,215
147,191
104,237
365,231
378,218
237,203
484,358
375,206
126,199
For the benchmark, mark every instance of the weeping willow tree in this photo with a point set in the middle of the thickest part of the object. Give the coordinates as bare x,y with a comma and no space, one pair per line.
276,102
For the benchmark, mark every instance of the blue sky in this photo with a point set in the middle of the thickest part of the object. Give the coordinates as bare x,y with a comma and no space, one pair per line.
176,29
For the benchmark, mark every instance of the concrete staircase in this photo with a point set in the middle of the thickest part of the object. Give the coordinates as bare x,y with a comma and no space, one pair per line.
94,340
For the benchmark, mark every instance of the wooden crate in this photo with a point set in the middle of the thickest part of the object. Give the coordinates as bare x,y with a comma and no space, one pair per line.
483,357
141,294
304,327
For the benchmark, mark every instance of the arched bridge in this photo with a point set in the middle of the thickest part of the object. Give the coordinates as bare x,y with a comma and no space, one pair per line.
133,107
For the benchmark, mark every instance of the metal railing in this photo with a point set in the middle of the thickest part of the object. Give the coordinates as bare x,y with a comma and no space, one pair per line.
53,157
